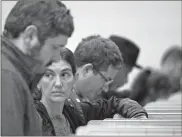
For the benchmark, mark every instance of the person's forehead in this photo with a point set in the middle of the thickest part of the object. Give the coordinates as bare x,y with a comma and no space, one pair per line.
126,68
110,72
57,40
61,66
171,62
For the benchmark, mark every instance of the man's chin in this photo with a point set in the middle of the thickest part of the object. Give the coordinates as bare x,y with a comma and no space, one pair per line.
99,96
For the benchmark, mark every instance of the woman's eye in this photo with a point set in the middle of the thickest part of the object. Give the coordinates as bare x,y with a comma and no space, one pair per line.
65,75
48,75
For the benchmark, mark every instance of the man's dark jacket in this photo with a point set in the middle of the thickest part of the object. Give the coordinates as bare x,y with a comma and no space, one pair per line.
18,113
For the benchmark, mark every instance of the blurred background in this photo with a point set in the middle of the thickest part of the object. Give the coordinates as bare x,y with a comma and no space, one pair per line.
152,25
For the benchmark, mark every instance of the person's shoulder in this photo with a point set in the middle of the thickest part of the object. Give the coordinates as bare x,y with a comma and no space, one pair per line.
12,80
6,65
9,74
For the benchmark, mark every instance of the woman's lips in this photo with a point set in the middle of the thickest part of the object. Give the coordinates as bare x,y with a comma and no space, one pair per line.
57,93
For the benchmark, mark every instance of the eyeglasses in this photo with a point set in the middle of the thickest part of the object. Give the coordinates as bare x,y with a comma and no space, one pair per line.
107,80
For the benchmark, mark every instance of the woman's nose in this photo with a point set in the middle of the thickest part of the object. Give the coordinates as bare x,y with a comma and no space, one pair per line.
58,82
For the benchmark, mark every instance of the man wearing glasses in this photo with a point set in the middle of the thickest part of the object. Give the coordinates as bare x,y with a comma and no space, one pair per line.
98,61
130,52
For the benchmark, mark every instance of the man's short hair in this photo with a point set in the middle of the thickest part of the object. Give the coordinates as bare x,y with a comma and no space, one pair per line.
174,52
51,17
98,51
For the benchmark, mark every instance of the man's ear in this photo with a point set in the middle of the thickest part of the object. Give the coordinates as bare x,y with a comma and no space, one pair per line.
31,36
87,68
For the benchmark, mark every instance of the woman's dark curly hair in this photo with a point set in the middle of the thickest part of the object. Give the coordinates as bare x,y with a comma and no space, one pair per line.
148,79
139,86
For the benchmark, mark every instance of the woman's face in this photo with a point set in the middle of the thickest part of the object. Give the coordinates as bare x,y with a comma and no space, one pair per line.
57,82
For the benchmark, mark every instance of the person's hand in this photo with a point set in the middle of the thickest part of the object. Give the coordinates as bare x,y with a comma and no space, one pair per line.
123,93
140,117
118,116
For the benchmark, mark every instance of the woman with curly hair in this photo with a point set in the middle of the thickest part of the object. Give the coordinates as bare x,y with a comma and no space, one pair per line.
150,85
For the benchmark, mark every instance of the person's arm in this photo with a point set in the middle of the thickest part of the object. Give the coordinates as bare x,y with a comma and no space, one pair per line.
12,106
119,94
130,109
102,109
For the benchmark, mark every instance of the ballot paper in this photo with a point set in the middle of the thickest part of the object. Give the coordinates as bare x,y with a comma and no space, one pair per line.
164,119
104,128
131,127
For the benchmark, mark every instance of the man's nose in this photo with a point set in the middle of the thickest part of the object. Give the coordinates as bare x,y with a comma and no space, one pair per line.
105,88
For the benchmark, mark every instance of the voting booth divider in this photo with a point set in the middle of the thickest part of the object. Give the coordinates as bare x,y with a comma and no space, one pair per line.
163,120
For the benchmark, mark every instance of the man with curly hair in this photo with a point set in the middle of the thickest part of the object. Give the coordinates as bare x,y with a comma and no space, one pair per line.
98,61
34,31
